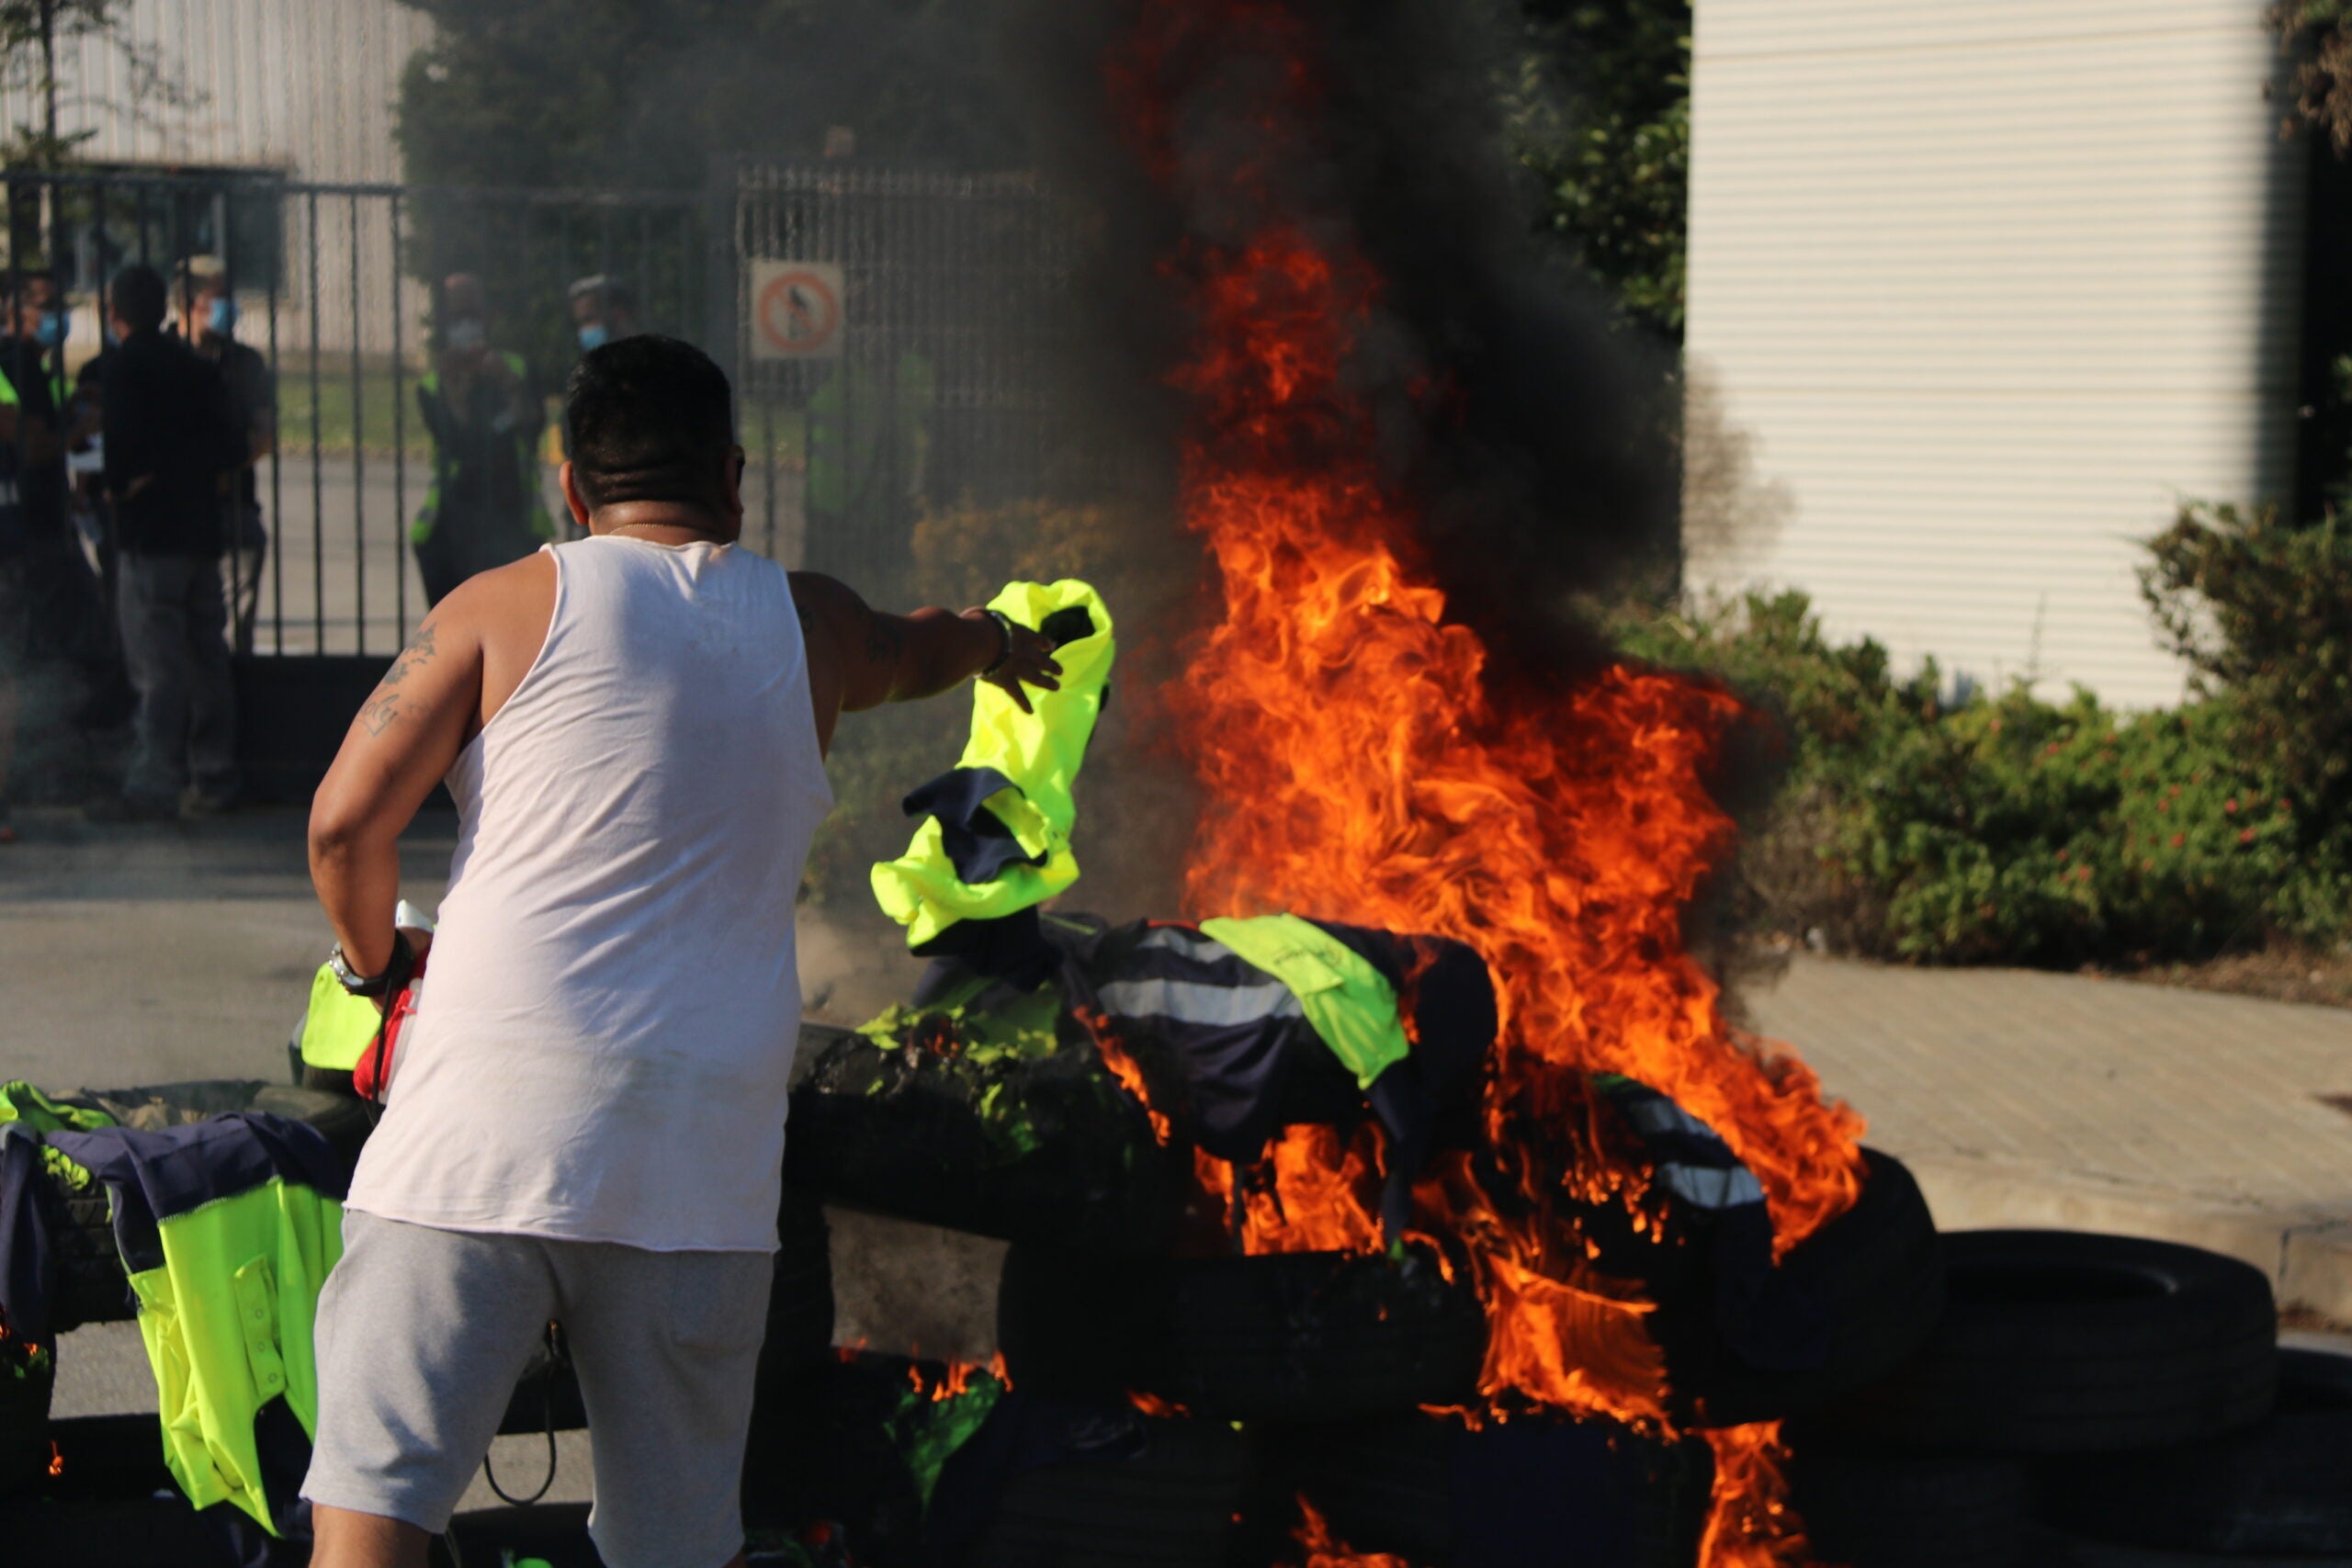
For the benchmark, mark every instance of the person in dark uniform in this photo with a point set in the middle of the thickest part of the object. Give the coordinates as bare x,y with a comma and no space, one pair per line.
36,541
484,508
169,439
209,323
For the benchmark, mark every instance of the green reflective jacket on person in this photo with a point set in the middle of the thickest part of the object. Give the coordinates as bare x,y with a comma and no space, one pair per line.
1040,751
525,444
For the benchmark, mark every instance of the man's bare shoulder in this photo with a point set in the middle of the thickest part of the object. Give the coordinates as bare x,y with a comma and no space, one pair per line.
518,595
815,594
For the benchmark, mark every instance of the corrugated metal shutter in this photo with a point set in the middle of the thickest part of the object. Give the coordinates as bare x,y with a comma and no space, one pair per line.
1990,287
303,85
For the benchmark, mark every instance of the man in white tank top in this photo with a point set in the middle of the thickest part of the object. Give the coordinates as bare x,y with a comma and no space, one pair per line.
585,1122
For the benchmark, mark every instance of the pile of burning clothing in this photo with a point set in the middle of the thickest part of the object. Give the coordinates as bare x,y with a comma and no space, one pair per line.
1251,1169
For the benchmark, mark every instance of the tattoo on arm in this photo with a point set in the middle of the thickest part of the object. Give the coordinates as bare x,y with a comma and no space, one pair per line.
384,706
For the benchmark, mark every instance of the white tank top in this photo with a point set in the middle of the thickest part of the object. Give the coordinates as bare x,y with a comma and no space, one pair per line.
606,1032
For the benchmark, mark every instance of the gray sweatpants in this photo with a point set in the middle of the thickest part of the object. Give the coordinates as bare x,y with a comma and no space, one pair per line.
175,647
422,1333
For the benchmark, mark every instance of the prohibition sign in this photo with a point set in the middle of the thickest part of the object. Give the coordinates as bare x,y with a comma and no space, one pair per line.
799,314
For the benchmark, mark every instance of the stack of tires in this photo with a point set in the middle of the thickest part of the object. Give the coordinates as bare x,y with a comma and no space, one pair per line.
2099,1402
1174,1403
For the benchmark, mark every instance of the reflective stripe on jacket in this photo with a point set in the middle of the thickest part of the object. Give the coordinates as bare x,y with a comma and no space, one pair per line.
1348,1004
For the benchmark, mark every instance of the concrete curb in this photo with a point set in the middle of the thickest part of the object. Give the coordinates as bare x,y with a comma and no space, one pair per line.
2308,1255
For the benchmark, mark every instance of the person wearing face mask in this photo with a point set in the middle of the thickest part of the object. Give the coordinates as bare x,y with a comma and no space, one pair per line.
603,310
485,507
209,323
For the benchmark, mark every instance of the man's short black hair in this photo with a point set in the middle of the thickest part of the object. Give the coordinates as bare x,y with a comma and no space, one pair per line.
649,419
138,297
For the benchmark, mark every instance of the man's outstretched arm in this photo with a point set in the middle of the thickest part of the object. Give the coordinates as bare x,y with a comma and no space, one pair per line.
402,744
860,658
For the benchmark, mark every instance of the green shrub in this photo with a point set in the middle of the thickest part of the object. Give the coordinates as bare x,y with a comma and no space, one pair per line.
2007,829
2262,610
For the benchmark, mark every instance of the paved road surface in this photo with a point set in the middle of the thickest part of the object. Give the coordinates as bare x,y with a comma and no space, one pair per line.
145,954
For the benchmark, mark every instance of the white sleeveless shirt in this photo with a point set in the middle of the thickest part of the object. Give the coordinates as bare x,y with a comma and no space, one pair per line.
606,1030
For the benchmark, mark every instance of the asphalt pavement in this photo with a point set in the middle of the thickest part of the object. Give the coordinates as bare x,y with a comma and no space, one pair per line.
145,954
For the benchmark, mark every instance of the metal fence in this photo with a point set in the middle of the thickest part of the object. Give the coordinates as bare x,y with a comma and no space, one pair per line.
336,287
898,335
913,368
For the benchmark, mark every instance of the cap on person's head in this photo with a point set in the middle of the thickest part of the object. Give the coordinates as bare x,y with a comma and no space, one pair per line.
138,297
462,294
195,274
649,419
610,291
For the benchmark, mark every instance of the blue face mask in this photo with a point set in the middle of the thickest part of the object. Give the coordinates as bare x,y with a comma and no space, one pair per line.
54,325
593,336
223,315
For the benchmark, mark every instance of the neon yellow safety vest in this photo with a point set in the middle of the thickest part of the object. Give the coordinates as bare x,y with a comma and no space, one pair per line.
526,460
339,1027
227,1324
1350,1004
1040,752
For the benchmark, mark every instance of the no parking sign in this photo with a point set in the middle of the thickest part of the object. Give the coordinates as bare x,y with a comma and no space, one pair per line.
796,309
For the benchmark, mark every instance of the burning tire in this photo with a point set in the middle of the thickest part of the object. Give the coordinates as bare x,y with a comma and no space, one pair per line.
1141,1493
1442,1495
2056,1342
114,1505
1292,1336
1045,1147
1875,1274
2053,1549
26,1384
2281,1489
1866,1507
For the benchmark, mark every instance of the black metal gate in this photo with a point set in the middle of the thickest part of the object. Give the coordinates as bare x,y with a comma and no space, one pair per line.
335,286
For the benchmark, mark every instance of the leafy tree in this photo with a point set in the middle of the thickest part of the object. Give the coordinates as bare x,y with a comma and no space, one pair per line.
645,92
2320,31
1616,161
32,35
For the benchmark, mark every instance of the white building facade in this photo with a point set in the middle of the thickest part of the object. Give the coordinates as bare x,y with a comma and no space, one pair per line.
1989,289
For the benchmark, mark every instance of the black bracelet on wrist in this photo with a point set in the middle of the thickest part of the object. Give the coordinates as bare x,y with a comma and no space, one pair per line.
1004,653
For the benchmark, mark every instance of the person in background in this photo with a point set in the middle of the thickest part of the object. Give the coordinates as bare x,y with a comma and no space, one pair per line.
169,439
603,310
36,544
209,323
484,508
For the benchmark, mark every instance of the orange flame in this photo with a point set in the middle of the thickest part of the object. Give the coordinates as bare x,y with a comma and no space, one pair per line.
1752,1524
56,1459
956,1379
1325,1550
1393,779
1123,1066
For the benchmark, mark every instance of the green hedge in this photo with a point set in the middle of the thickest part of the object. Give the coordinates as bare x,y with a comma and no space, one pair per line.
2006,828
